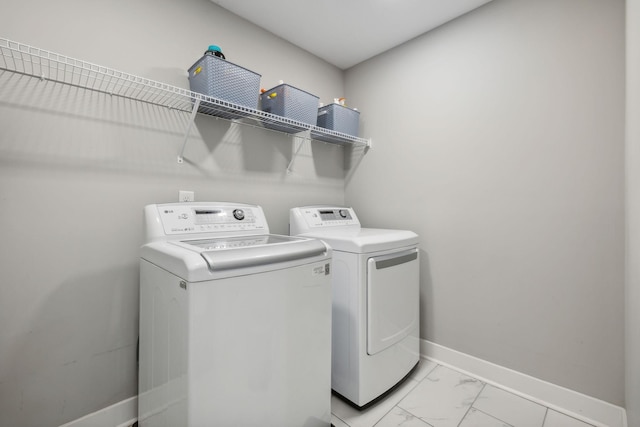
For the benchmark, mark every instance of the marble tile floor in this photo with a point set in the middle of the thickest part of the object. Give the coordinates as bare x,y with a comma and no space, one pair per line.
439,396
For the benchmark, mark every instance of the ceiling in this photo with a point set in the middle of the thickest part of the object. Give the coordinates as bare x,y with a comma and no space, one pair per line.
347,32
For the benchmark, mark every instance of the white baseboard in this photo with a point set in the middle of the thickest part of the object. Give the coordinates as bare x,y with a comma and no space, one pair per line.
121,414
578,405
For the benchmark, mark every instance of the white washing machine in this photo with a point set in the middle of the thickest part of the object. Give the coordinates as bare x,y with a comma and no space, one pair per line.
375,293
235,323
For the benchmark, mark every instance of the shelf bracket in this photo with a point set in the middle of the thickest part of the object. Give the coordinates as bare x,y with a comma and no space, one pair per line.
192,119
307,135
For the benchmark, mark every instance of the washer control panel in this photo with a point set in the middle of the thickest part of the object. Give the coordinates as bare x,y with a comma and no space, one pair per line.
190,218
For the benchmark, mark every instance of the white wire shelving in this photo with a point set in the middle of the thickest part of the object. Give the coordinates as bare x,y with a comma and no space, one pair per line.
39,63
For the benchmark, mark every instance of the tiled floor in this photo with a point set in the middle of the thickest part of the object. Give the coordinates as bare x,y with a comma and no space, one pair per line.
438,396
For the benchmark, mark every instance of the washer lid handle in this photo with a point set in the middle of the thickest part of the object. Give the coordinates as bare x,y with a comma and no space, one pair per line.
219,260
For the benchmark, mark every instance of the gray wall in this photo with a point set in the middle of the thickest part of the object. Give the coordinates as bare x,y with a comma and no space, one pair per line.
499,139
76,169
633,215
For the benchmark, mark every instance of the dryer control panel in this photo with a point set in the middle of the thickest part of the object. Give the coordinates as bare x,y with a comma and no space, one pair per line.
305,219
173,219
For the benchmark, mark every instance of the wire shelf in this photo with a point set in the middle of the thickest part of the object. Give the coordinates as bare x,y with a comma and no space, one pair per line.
45,65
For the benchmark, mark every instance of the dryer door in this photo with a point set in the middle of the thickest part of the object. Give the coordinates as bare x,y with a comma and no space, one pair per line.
392,298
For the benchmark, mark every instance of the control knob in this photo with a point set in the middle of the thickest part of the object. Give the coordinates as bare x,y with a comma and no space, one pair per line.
238,214
343,213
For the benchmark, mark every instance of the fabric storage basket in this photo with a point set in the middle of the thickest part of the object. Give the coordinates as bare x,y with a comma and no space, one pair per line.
339,118
291,103
223,80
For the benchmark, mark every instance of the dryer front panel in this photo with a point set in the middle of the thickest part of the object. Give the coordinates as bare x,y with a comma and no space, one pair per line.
392,298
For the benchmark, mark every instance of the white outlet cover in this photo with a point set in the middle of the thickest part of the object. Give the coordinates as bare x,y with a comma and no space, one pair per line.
186,196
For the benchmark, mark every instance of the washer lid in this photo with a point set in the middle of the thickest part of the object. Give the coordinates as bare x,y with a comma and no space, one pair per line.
249,251
365,240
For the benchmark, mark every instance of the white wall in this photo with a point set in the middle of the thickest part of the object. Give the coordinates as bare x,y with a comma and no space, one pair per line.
77,167
632,372
499,139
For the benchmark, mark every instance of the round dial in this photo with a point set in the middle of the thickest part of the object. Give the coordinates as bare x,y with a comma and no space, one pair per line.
343,213
238,214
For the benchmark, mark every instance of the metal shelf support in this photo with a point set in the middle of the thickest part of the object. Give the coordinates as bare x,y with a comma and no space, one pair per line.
192,119
302,139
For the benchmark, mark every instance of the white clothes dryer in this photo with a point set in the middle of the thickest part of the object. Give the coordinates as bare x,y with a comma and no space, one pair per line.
235,323
375,295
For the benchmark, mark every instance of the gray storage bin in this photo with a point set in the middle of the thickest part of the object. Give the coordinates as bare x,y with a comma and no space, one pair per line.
223,80
339,118
292,103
